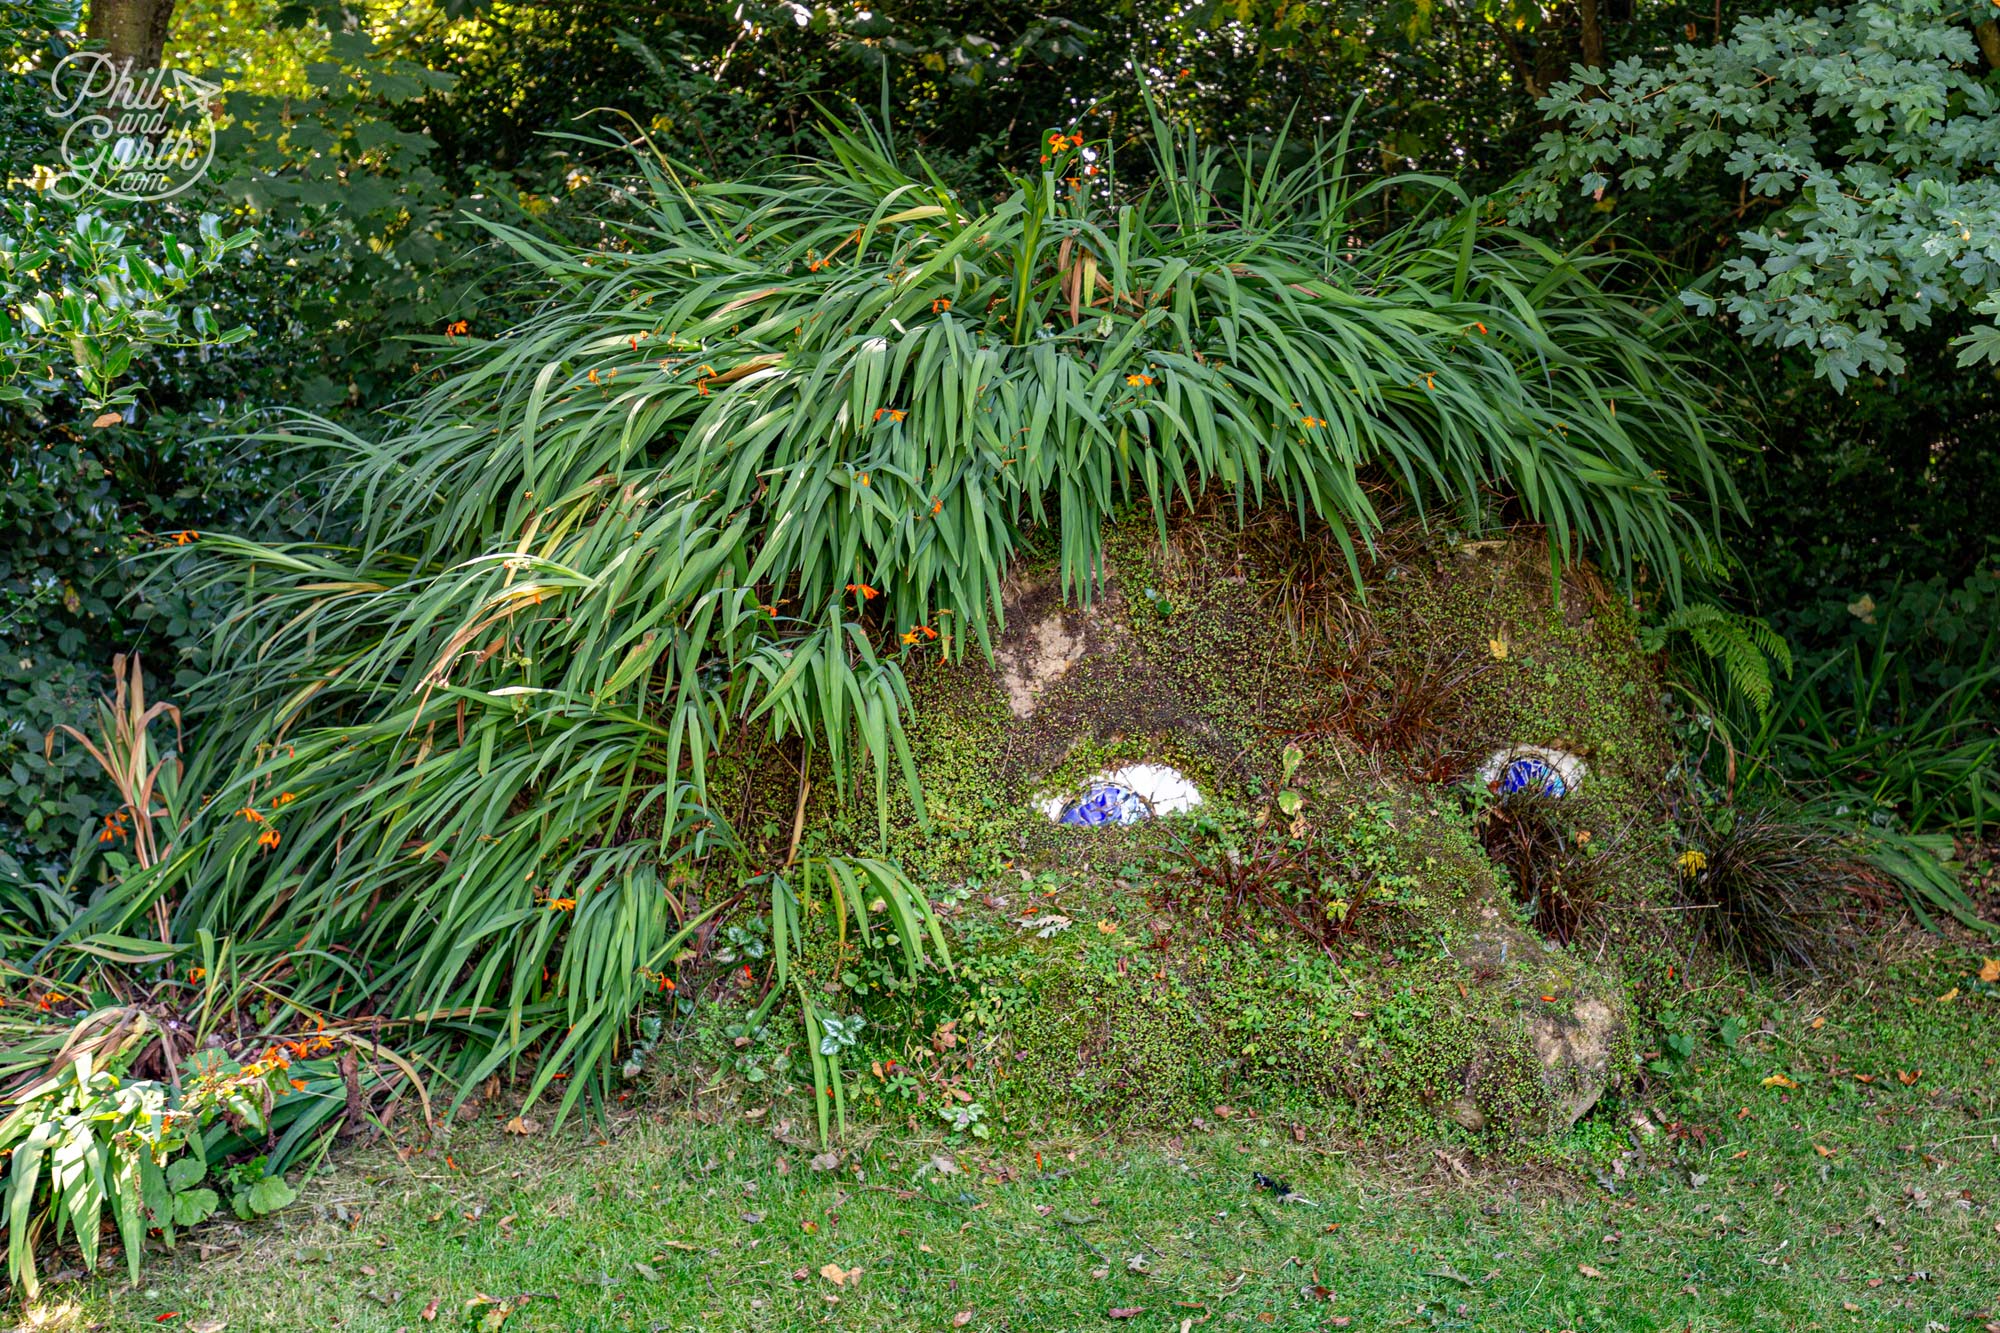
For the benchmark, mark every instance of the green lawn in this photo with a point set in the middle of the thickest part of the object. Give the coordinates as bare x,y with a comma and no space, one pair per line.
1835,1204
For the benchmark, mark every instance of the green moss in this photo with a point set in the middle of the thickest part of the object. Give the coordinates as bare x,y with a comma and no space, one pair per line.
1167,1037
1215,652
1095,1045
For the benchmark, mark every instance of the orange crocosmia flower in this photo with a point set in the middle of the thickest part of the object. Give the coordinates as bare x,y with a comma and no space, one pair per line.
867,593
1477,325
928,631
942,304
910,637
298,1085
268,838
936,504
593,377
1076,140
286,798
1137,380
562,904
183,538
249,812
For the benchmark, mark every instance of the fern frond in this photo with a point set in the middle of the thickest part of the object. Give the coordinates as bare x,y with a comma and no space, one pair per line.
1745,647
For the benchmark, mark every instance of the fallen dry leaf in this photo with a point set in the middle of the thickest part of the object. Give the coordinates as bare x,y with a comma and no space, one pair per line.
1907,1077
1948,996
1819,1023
1739,1156
838,1276
1779,1081
1823,1150
1864,1078
1588,1271
1099,1274
520,1124
1989,969
961,1319
1126,1311
108,419
430,1311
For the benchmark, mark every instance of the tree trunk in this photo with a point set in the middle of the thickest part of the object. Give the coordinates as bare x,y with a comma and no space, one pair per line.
134,30
1988,33
1593,35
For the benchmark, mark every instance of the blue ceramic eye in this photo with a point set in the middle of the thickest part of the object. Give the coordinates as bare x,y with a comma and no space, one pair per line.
1105,803
1531,776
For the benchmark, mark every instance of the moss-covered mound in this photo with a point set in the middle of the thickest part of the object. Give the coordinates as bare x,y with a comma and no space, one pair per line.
1352,929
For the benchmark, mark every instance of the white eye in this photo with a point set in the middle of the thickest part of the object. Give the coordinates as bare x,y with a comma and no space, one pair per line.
1532,770
1123,796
